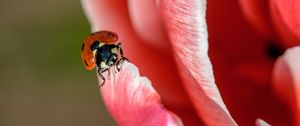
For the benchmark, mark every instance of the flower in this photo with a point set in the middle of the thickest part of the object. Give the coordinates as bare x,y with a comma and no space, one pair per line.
168,42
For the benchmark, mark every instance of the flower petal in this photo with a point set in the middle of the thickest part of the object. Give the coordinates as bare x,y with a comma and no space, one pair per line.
290,13
132,101
148,24
233,47
260,122
257,13
159,66
186,27
286,19
286,80
112,15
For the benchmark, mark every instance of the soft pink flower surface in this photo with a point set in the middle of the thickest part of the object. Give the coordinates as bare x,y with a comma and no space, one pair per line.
183,82
135,103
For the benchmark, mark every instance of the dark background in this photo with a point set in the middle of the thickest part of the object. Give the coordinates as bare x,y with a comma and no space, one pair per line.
42,79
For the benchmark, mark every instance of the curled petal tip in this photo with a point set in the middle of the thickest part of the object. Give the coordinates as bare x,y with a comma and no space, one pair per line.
286,73
286,80
186,26
132,100
260,122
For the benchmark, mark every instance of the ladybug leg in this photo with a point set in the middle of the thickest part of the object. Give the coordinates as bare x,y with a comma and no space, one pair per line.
108,75
121,51
101,76
120,63
122,58
115,69
100,71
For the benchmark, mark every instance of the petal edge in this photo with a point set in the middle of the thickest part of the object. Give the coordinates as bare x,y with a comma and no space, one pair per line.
132,100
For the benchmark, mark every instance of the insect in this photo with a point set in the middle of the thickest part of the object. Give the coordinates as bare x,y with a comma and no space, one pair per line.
102,50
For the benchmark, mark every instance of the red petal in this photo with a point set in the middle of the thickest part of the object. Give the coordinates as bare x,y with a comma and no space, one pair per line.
132,101
286,19
286,80
233,48
257,13
290,12
186,26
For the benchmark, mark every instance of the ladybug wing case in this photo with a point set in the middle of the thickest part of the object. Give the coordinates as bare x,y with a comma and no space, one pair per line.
106,37
87,55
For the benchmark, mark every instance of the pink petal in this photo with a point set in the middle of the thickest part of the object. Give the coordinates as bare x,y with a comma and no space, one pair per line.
148,24
159,66
112,15
257,13
132,101
286,80
186,27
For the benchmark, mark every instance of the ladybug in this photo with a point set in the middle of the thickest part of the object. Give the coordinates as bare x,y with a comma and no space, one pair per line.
102,50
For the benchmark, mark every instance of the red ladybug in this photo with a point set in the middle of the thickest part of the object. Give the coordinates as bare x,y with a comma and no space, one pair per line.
100,49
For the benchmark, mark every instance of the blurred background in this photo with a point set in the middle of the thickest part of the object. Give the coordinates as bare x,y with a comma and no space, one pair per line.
42,79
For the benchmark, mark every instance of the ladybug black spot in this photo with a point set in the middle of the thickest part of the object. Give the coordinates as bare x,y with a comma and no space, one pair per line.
95,45
82,47
113,35
86,63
